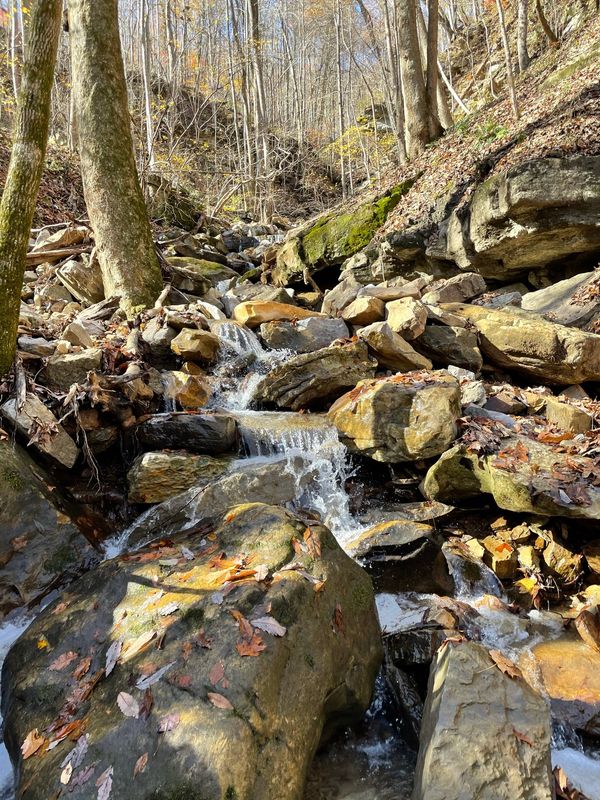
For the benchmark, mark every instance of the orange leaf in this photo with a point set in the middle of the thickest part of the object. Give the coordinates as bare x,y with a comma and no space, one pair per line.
505,665
32,743
253,647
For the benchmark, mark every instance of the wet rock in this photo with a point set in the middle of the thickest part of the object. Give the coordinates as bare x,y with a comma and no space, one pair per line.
391,536
234,725
197,275
155,477
458,289
564,565
36,346
474,721
407,698
83,279
158,336
403,418
316,377
196,345
37,541
517,340
189,390
407,316
390,349
336,299
197,433
245,292
527,485
303,335
39,424
470,575
63,371
364,311
445,345
569,672
252,314
573,302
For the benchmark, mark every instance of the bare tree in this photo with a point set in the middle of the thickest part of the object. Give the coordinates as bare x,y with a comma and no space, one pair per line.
26,165
510,79
416,109
522,32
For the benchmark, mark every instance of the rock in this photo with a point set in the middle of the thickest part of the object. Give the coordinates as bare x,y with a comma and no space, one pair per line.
565,566
403,418
77,335
196,345
471,577
304,335
39,424
344,293
63,371
198,433
37,542
253,314
197,275
189,390
36,346
245,292
155,477
591,554
407,316
65,237
50,293
457,346
388,536
390,349
474,721
569,672
573,302
396,289
83,279
528,217
522,479
516,340
315,378
566,416
334,237
243,727
501,557
364,311
458,289
506,401
158,337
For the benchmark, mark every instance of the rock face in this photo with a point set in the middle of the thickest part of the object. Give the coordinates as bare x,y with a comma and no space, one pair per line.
316,377
517,340
37,542
390,349
155,477
238,712
304,335
484,735
403,418
198,433
255,313
529,217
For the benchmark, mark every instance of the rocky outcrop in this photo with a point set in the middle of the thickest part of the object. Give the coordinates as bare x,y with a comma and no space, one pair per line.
316,377
484,736
517,340
247,679
403,418
574,302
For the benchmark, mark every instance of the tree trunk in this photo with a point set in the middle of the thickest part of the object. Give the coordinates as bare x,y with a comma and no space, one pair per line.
26,165
510,80
416,110
522,27
114,199
550,35
435,127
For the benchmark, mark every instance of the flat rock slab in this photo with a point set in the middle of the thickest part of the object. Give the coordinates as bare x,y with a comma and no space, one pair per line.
235,685
197,433
484,735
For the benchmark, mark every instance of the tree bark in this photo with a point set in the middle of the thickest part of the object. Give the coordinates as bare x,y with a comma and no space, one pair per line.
113,196
435,127
522,28
26,165
416,110
510,79
550,35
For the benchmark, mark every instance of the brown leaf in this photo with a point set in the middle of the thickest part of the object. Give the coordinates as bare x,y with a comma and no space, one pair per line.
254,647
338,619
140,764
33,742
18,543
505,665
146,704
168,723
523,738
313,543
246,628
217,673
82,668
132,647
203,640
219,701
63,661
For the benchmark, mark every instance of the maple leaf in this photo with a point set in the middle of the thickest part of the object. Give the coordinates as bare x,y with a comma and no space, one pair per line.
219,701
140,764
505,665
31,745
128,705
252,647
63,661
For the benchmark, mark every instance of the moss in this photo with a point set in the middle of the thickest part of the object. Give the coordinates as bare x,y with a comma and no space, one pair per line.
230,794
13,478
361,597
567,72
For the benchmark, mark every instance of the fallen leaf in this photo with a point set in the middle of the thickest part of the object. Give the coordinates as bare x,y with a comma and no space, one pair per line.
505,665
82,668
128,705
219,701
522,737
140,764
83,776
217,673
169,609
313,543
33,742
62,662
146,704
112,656
187,554
132,647
77,754
252,647
18,543
338,619
65,775
183,681
145,683
104,784
168,723
42,643
203,640
246,628
270,625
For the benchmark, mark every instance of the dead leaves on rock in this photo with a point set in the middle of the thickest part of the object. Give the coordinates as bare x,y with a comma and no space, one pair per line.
140,764
32,744
219,701
505,665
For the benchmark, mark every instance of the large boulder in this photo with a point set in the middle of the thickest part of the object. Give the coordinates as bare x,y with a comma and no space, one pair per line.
303,335
38,542
403,418
519,340
528,217
254,313
246,666
445,345
484,736
196,345
573,302
244,292
522,473
198,433
197,274
315,378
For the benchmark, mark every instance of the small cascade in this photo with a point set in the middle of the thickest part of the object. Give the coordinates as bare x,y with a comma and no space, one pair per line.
169,392
310,444
238,338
